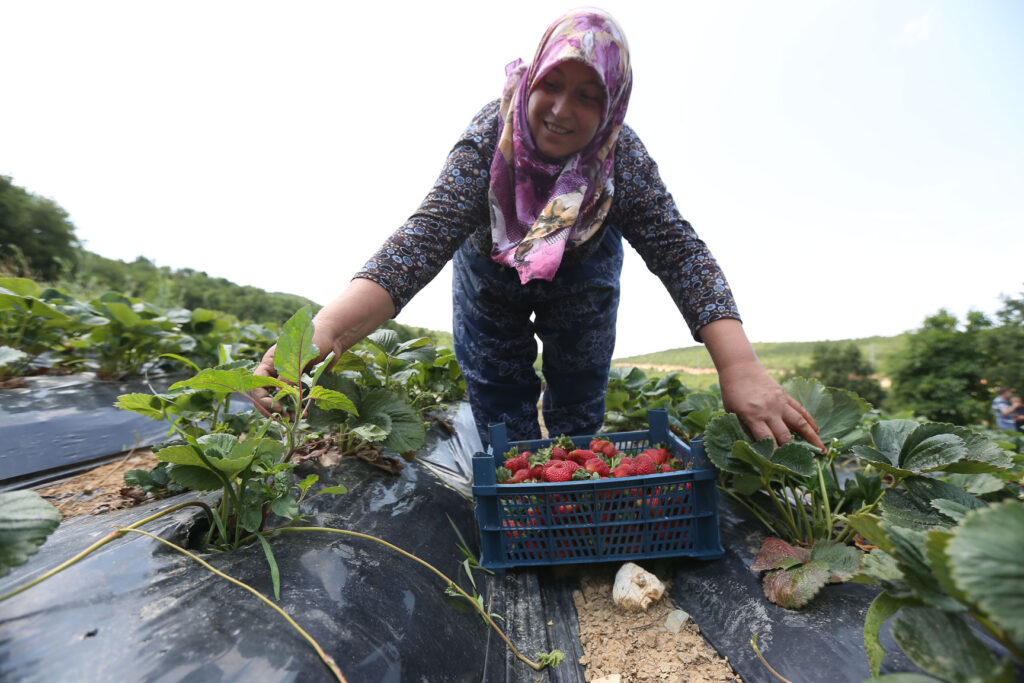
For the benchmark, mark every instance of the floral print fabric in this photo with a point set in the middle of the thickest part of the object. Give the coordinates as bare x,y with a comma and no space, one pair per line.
539,206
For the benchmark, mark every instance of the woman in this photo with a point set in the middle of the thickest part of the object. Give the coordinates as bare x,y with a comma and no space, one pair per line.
532,205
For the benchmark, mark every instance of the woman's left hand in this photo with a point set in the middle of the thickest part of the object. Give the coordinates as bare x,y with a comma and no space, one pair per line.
764,407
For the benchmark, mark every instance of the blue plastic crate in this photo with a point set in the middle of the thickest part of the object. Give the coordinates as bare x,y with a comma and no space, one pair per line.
601,520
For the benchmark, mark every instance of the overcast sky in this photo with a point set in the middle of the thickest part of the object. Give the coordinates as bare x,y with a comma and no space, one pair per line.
853,166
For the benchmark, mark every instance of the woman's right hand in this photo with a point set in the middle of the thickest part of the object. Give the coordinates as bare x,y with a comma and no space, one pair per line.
355,313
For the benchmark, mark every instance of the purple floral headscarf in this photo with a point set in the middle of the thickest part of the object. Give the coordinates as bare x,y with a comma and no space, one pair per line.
539,206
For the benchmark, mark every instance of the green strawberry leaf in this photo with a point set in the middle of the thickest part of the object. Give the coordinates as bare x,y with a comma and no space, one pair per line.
224,382
724,431
295,348
943,644
950,508
835,411
843,561
328,399
144,404
976,484
983,454
870,527
935,550
932,453
986,556
878,459
26,520
286,506
910,552
889,437
195,478
879,567
881,608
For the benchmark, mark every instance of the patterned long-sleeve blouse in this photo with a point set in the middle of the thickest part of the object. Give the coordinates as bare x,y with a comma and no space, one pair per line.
644,212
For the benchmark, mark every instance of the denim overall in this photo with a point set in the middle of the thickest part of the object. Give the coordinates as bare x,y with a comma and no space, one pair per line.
497,322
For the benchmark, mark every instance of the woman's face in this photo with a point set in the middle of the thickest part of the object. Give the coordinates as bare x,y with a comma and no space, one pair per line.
565,108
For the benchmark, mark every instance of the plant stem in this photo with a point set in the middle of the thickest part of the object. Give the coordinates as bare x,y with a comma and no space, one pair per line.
750,508
534,665
753,644
113,535
316,646
805,523
824,499
784,510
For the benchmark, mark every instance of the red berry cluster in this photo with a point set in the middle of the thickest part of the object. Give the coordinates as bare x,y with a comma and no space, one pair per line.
555,526
562,461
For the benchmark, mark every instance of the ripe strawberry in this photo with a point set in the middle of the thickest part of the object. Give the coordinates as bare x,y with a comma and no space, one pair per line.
621,471
642,465
559,470
581,456
666,468
659,455
535,471
520,476
625,460
561,447
517,463
603,446
597,465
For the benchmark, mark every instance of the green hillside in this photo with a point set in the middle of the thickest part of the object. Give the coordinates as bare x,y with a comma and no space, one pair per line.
778,357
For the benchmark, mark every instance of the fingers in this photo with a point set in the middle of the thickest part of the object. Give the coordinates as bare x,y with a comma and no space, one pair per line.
261,398
803,424
778,422
772,428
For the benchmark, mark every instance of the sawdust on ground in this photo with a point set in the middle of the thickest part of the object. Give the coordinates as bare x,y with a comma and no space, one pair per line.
100,489
636,647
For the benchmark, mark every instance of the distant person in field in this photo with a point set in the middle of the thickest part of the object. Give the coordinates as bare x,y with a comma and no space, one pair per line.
1005,407
532,205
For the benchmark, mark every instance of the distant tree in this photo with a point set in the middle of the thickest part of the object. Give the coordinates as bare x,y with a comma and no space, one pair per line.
844,366
1004,345
36,230
941,374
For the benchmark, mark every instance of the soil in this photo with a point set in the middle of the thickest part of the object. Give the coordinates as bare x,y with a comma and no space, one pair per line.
101,489
620,646
635,646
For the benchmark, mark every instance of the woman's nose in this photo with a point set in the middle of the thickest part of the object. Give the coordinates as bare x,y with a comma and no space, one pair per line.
560,105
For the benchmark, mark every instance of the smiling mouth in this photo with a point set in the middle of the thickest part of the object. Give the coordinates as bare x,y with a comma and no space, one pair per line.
558,130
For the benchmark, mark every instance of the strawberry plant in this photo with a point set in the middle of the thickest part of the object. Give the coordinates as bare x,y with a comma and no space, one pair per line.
631,394
793,490
949,566
794,575
133,334
34,321
253,472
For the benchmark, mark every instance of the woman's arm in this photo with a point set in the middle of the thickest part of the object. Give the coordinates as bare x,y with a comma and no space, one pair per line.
672,250
762,405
